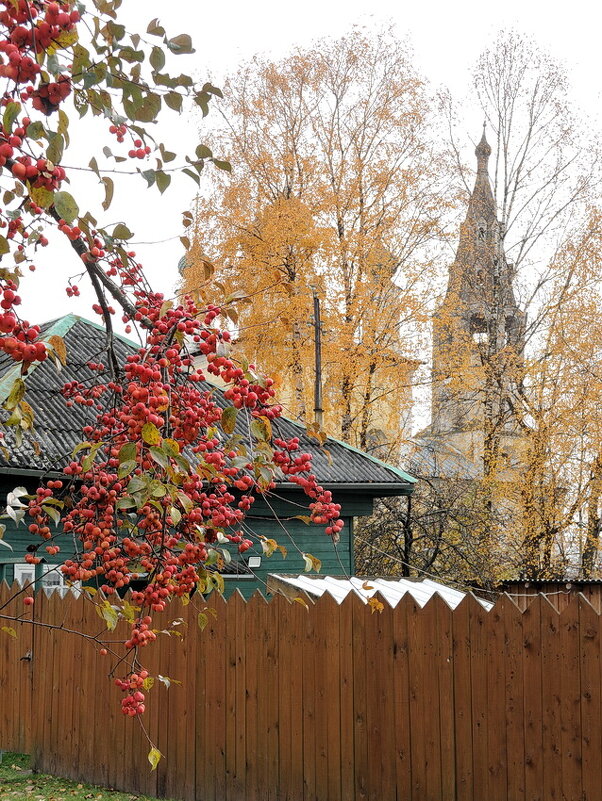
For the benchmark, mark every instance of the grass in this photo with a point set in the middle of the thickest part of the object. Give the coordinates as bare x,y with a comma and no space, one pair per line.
18,783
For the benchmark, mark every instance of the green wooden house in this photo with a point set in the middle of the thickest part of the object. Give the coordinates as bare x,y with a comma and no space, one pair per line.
354,478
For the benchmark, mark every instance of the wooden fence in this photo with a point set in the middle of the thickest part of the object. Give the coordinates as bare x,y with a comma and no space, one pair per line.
334,703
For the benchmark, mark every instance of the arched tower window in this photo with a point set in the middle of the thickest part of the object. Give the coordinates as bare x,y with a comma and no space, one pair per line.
481,231
478,328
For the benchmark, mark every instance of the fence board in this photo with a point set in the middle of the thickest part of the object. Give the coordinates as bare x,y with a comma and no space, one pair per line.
570,701
589,666
463,701
445,662
496,705
532,677
551,694
514,723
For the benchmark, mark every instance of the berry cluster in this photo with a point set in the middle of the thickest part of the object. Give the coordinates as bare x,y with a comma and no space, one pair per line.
20,338
133,703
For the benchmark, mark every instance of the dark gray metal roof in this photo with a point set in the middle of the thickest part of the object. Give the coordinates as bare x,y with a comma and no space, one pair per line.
58,427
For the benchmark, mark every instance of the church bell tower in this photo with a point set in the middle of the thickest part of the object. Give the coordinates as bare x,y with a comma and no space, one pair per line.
478,331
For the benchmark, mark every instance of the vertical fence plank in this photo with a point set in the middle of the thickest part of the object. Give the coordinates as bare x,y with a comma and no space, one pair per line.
416,670
360,731
424,702
309,706
570,705
463,701
532,678
321,611
551,693
346,665
446,696
589,665
272,633
332,696
401,701
287,667
381,709
479,683
496,704
514,690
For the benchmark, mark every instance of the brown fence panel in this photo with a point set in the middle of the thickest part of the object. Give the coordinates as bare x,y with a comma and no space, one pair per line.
317,702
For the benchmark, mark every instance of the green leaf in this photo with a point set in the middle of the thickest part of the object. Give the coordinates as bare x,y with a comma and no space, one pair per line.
35,130
66,206
171,447
222,165
54,151
159,457
261,429
121,231
109,188
229,419
127,452
173,100
144,109
126,503
151,434
154,757
157,58
202,621
163,180
4,246
181,44
127,467
11,112
203,152
192,175
155,29
52,513
213,90
88,460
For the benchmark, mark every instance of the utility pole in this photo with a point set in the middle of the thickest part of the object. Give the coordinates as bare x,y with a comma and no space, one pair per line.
318,411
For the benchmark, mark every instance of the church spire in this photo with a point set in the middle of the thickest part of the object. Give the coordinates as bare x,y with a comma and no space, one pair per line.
482,152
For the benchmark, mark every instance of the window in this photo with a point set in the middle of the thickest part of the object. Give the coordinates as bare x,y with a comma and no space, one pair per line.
53,579
478,328
482,231
25,574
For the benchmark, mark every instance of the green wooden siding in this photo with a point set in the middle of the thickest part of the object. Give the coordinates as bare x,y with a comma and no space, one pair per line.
274,518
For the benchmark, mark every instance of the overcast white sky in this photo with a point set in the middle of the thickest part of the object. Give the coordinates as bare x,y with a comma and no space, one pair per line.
446,37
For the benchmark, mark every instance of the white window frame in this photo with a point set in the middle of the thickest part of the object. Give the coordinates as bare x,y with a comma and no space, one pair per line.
23,569
56,582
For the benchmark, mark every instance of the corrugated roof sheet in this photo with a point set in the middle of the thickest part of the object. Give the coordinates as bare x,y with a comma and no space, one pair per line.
58,427
392,590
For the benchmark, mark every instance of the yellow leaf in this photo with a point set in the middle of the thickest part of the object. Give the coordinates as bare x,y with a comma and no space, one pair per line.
58,343
10,631
375,605
154,756
150,434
